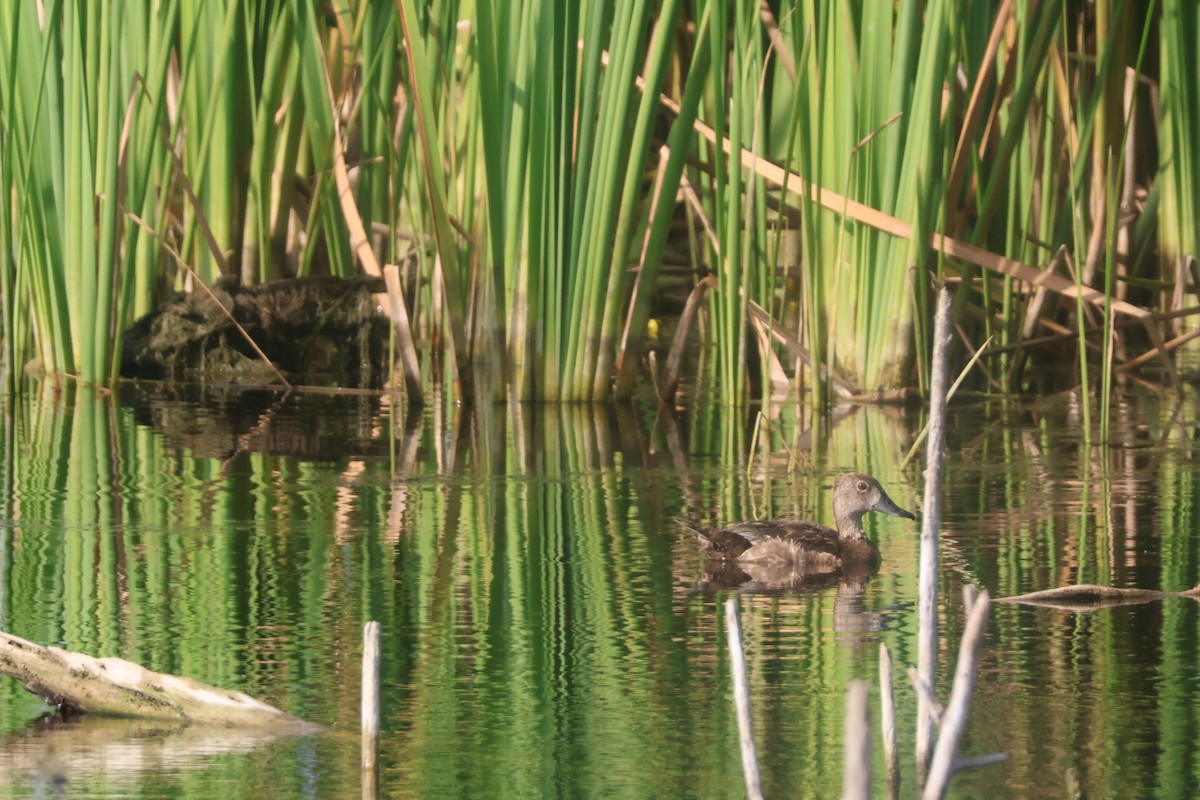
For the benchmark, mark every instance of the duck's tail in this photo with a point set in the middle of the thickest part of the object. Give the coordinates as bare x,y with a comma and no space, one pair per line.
703,535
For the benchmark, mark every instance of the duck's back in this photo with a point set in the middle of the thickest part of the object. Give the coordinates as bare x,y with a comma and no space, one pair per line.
808,545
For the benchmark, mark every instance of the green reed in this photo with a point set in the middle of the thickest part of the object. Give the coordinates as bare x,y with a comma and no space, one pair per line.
80,93
506,151
1179,178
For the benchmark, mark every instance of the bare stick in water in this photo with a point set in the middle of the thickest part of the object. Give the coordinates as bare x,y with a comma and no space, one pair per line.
944,764
931,515
856,780
887,715
924,693
741,697
370,701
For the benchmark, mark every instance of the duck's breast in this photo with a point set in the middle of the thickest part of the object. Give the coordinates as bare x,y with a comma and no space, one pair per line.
861,552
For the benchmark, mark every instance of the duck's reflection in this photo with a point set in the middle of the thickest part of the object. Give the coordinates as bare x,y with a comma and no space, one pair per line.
850,614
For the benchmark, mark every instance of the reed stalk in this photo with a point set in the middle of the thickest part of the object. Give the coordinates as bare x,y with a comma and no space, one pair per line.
502,149
1179,31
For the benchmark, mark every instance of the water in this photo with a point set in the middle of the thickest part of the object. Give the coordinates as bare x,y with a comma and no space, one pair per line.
548,632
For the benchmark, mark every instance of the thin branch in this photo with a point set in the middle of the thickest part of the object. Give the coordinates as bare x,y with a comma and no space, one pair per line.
945,755
179,260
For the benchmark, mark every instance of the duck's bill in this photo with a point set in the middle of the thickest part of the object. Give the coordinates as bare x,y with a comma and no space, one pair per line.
888,507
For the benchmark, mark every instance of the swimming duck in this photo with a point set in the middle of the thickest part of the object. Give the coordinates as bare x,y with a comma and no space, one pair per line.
808,545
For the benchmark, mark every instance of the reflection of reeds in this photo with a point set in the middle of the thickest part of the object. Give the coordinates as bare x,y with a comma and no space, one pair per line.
537,609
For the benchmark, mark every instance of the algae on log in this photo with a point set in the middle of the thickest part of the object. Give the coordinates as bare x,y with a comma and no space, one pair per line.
77,682
317,331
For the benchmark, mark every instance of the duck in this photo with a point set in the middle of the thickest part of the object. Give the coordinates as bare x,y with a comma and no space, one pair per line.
805,544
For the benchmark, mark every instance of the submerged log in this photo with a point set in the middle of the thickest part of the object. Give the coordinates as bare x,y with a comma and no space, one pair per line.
1090,596
74,682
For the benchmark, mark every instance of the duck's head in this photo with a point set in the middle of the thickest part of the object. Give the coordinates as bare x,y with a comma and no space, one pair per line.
856,493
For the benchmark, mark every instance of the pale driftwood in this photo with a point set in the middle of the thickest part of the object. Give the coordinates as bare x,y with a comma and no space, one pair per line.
741,698
370,696
931,516
370,711
1090,597
114,686
856,778
969,594
945,756
887,708
925,694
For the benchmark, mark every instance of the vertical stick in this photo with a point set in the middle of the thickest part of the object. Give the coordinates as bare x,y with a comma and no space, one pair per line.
931,514
955,718
856,779
370,704
741,698
887,720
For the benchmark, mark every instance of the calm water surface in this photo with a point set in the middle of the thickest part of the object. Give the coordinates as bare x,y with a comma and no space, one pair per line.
547,630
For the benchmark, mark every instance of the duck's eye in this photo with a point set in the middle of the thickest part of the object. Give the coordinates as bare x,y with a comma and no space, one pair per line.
862,486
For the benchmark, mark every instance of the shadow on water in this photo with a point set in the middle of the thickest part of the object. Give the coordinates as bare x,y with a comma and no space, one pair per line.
547,630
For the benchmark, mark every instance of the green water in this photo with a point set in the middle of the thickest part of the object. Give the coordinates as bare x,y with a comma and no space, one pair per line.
543,632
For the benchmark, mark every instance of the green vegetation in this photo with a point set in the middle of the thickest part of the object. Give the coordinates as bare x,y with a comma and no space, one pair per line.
542,630
531,161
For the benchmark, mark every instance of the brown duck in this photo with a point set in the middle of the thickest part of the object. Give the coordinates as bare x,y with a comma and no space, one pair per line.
805,544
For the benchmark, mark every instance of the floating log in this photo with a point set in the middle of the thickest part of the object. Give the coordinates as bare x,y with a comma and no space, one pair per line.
1090,596
74,682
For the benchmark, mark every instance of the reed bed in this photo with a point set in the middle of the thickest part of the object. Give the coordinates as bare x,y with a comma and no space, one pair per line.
529,167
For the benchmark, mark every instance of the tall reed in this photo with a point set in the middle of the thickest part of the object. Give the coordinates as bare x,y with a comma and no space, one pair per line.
1179,172
83,88
511,155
